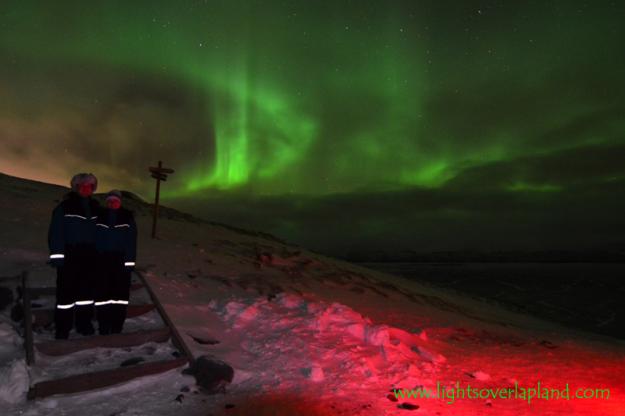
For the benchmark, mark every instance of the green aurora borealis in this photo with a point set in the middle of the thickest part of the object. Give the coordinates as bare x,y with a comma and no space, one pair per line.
391,124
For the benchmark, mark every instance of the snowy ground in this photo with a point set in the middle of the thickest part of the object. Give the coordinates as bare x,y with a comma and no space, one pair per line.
305,334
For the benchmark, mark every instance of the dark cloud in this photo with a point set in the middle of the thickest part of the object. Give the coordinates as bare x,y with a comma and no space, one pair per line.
112,122
469,213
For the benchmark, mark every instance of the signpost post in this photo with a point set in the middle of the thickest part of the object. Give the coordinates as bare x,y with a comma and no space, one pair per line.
160,174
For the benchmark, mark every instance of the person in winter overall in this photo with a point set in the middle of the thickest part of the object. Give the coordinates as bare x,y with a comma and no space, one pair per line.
116,245
71,240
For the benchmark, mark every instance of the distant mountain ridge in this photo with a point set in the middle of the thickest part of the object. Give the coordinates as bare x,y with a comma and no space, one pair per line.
610,252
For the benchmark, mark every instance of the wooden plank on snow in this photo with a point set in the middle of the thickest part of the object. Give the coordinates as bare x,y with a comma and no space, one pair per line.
130,339
43,317
99,379
36,292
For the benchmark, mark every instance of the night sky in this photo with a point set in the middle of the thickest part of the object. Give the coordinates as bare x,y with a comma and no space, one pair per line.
338,125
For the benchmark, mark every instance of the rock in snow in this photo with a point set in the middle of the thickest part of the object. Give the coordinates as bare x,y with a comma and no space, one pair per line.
211,373
314,373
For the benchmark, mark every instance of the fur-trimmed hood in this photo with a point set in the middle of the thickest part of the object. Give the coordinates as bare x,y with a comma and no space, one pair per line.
81,178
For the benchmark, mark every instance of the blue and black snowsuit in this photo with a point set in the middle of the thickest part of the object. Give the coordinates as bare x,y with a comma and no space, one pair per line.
116,244
71,240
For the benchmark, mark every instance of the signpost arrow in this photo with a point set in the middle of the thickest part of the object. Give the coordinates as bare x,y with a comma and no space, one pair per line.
159,177
160,170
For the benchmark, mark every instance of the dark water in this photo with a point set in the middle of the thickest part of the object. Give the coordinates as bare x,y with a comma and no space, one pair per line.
588,296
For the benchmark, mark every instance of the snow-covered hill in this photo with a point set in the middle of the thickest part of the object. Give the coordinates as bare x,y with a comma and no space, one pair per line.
305,334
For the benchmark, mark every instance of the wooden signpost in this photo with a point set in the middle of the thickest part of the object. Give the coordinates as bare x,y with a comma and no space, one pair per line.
160,174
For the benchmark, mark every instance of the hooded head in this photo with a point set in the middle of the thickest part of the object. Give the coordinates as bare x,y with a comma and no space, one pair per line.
84,184
114,199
